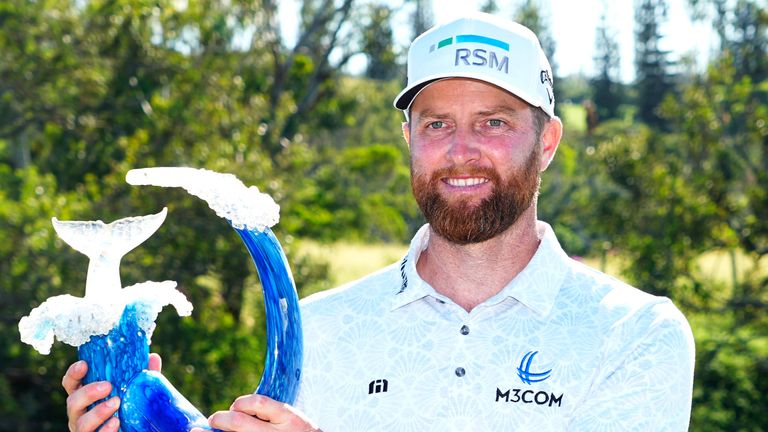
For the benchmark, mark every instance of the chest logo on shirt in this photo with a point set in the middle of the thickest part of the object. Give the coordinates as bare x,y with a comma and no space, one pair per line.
524,370
529,377
378,386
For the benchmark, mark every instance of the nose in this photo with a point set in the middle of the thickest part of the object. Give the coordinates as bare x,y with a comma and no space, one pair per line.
464,148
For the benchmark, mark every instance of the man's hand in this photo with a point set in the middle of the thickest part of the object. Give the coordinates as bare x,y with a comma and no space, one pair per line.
82,396
256,413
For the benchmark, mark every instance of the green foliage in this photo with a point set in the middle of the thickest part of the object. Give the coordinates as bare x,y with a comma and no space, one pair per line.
732,360
89,90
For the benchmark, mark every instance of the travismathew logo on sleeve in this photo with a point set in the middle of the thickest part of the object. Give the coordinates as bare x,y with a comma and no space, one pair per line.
529,377
378,386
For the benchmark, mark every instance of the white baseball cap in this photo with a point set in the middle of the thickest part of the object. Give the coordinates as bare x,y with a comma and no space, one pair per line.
483,47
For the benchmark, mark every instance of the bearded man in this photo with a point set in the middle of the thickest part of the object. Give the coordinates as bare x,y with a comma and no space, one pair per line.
485,324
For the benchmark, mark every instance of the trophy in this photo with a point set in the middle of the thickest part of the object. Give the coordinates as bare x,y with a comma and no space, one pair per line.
112,326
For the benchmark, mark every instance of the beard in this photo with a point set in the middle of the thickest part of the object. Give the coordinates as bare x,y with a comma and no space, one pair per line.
463,222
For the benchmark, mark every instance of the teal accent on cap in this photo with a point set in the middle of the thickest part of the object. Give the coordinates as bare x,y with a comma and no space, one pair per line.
482,40
445,42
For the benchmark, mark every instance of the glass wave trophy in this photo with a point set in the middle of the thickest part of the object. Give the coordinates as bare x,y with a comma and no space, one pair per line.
112,325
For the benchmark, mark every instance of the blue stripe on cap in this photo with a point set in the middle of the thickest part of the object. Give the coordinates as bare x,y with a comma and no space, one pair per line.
482,40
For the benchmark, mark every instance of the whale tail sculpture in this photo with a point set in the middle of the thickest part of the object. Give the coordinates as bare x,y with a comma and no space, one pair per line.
111,325
105,245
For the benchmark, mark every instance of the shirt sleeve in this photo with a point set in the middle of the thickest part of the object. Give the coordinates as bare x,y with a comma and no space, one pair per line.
648,384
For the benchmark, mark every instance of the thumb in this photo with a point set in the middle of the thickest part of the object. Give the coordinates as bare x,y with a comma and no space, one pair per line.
155,362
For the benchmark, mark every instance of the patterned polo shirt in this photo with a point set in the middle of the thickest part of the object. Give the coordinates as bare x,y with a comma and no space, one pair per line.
562,347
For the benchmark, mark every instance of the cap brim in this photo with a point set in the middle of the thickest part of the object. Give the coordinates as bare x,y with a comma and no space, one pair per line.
406,97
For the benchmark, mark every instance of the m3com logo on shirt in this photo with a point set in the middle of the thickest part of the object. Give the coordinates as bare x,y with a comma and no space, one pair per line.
529,377
524,370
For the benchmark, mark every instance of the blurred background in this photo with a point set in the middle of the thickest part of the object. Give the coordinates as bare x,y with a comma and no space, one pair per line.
661,178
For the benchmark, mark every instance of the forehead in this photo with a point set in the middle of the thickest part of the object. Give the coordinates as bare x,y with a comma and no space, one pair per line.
465,94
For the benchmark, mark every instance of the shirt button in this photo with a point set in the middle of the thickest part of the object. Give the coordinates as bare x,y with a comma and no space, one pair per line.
460,372
464,330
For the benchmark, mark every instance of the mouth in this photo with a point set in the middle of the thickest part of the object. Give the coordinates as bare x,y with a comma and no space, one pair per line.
465,182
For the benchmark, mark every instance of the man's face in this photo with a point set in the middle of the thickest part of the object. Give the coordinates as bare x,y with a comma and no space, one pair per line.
475,159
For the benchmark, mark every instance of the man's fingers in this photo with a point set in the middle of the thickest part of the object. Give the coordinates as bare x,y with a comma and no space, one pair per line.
91,420
237,422
112,425
75,374
260,413
155,362
262,407
79,401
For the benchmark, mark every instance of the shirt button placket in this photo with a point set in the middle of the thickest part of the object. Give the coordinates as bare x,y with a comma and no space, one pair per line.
460,371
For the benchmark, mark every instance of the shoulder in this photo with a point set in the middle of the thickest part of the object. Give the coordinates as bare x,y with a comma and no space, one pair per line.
633,317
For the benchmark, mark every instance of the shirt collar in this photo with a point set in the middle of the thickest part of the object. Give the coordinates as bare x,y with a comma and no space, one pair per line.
535,287
412,286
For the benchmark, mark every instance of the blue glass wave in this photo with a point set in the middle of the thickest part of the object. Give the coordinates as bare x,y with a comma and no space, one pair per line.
149,401
119,355
285,341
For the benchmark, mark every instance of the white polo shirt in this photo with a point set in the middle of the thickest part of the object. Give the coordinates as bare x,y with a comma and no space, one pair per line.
562,347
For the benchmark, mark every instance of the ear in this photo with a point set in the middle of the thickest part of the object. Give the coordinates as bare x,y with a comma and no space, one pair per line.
550,138
407,133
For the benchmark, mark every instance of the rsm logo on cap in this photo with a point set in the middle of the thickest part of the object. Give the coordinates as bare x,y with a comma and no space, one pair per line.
477,56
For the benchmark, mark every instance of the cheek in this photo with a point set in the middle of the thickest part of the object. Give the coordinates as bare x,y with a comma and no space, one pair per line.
417,168
425,154
510,152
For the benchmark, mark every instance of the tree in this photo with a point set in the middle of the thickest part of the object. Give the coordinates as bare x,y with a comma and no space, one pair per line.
605,85
378,44
421,20
653,77
306,73
718,122
90,90
749,43
490,7
742,28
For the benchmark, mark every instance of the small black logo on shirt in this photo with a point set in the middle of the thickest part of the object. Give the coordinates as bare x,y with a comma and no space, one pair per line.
378,386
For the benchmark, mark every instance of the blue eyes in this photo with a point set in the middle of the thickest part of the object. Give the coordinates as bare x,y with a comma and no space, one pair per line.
438,124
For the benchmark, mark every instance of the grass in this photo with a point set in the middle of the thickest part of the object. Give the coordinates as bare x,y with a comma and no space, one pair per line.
574,117
718,266
349,261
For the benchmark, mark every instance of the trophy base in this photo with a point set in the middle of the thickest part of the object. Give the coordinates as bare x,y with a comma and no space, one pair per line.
151,403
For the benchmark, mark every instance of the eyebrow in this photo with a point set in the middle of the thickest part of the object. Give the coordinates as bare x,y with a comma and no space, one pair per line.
501,109
430,114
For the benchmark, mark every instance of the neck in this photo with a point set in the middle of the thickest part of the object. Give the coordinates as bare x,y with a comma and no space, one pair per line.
470,274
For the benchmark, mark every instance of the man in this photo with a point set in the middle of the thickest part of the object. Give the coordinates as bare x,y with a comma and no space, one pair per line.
485,324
